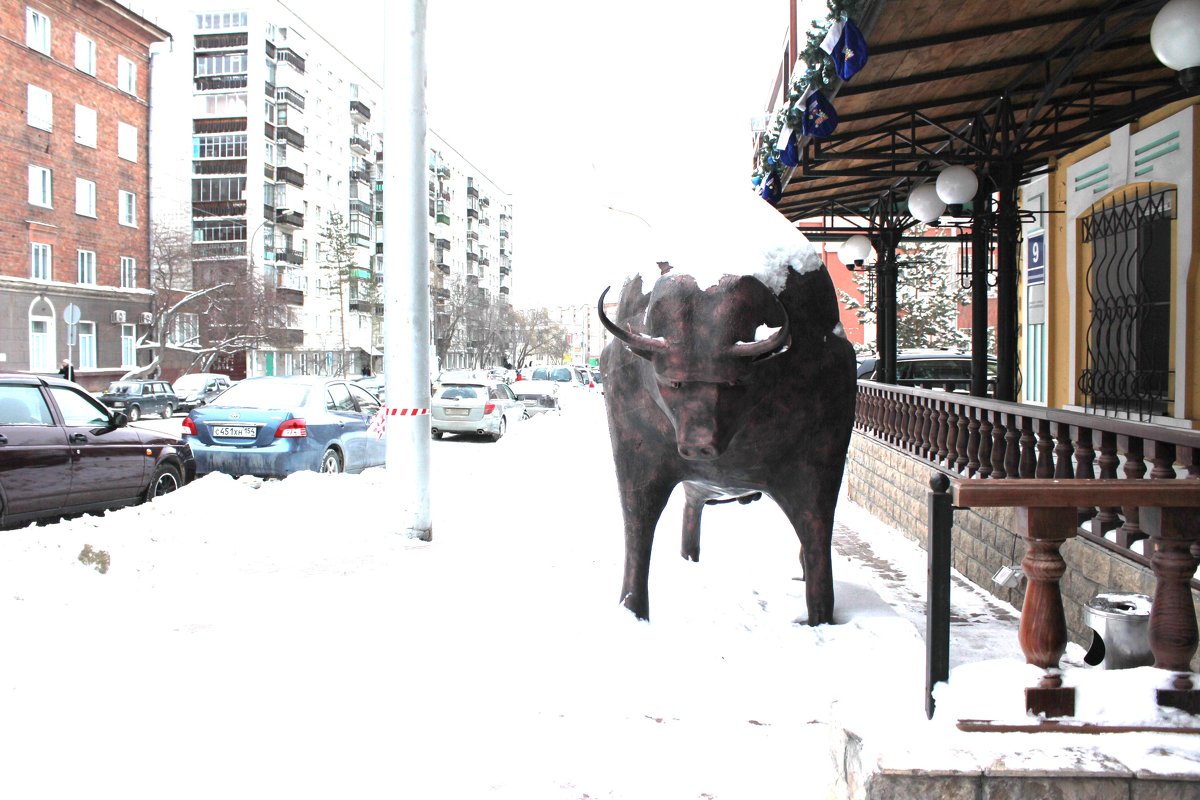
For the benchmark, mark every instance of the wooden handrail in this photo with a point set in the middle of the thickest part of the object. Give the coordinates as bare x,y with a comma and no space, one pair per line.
1051,493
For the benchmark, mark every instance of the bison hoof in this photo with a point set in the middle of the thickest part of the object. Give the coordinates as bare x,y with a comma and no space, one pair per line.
639,606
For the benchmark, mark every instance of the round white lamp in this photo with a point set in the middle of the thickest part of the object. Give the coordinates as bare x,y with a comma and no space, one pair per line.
924,203
1175,39
854,251
957,185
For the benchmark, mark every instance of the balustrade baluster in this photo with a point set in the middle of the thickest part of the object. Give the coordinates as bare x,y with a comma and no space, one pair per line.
928,428
1000,448
889,420
1174,635
941,432
1107,519
1085,457
951,436
1027,467
1045,450
1135,469
972,445
914,425
985,443
964,422
1162,456
1063,449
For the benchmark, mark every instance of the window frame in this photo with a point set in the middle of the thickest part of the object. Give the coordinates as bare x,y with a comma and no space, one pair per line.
45,96
40,40
127,216
128,345
46,189
86,124
87,270
85,197
43,264
85,55
128,272
127,141
127,70
85,343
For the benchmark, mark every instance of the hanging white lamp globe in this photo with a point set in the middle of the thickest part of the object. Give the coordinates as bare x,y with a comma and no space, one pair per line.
956,185
924,203
1175,39
854,251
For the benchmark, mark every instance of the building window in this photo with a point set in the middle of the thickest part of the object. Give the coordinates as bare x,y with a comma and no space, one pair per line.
220,20
126,75
85,126
41,344
231,145
39,262
87,345
87,267
41,189
128,346
127,208
128,273
127,142
39,108
85,197
37,30
185,330
232,104
85,54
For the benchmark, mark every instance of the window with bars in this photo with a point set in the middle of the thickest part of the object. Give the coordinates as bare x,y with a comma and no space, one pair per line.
1127,370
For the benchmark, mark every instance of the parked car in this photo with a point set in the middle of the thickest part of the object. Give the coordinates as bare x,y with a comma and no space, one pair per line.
930,369
482,407
274,426
62,452
537,396
559,373
374,384
197,388
139,398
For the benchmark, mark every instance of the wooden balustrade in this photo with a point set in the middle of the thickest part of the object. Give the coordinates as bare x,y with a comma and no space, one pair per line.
977,437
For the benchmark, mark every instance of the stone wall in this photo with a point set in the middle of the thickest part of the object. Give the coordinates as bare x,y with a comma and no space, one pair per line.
893,485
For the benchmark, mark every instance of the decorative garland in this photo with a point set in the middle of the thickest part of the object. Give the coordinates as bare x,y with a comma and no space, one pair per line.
818,72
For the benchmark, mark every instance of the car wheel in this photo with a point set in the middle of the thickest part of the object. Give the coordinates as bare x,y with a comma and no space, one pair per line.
331,462
435,434
500,432
168,411
135,413
166,480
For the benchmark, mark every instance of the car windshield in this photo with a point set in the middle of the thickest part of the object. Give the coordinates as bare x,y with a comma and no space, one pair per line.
461,392
190,383
121,387
264,393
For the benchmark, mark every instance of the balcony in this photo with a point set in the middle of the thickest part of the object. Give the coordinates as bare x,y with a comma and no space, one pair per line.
472,256
360,145
360,207
443,170
360,239
285,55
441,294
290,96
361,176
204,251
379,248
293,176
503,250
505,270
292,297
484,261
219,208
219,166
503,232
219,83
504,291
473,280
361,110
287,337
472,213
288,217
360,274
444,267
292,137
290,256
471,190
443,218
484,202
220,41
473,235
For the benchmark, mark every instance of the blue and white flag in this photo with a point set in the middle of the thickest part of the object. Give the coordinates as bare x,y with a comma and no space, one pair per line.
847,46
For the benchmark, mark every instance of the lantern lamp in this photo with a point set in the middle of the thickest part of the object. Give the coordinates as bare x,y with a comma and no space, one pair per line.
1175,39
854,251
924,203
956,185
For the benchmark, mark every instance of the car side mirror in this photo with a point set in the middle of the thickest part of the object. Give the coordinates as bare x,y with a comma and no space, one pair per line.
116,419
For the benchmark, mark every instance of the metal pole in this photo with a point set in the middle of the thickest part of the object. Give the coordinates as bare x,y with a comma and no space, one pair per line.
1007,224
406,275
937,576
980,239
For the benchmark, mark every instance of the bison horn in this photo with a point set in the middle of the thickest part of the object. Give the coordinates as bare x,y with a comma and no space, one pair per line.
767,346
641,344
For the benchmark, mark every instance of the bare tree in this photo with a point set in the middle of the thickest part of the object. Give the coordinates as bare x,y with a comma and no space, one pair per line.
536,335
338,260
201,311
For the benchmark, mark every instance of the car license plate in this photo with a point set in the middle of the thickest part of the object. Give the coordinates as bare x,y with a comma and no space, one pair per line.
457,412
235,431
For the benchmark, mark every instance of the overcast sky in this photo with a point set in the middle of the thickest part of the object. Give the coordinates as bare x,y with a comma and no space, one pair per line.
642,105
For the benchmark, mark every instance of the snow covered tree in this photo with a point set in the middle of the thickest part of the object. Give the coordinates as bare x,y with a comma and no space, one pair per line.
338,260
928,296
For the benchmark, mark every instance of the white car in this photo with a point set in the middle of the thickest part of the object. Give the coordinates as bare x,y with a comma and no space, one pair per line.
538,396
480,407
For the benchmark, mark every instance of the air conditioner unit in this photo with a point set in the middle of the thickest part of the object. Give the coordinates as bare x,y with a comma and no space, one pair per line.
118,317
147,318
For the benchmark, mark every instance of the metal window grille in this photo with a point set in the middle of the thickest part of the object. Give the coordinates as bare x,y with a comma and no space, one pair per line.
1127,370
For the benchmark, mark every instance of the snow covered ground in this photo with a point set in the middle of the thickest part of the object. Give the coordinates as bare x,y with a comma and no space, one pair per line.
252,639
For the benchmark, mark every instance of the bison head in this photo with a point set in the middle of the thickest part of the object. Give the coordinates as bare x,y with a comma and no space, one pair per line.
702,346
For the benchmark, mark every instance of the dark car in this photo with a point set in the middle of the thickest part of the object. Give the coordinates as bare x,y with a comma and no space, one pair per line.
139,398
197,388
930,369
62,452
274,426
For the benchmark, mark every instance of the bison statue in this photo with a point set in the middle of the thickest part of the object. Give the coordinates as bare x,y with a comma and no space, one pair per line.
735,390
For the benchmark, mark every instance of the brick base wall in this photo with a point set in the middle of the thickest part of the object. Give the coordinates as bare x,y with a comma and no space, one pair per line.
892,486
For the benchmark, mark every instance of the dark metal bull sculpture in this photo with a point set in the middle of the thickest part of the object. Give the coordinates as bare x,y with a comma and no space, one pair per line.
693,398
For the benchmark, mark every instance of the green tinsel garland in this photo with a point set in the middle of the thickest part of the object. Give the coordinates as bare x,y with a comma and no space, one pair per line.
818,72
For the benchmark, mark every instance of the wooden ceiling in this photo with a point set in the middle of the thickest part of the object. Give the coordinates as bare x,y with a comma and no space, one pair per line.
976,82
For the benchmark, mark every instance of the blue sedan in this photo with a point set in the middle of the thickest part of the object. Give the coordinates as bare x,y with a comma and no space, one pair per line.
272,427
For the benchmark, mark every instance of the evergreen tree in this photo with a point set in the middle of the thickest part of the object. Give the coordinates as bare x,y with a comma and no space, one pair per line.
338,261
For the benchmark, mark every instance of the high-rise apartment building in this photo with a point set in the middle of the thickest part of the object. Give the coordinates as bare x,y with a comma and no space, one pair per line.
74,224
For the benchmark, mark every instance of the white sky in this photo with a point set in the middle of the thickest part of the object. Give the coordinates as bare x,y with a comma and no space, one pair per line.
278,640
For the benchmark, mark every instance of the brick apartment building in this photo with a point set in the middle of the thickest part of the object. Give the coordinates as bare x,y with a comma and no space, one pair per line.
74,172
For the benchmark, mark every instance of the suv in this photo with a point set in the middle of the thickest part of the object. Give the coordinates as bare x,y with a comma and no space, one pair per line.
138,398
930,369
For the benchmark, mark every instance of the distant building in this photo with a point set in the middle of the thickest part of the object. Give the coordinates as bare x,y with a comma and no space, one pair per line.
74,225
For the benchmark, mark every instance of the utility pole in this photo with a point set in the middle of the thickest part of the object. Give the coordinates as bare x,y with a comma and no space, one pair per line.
406,268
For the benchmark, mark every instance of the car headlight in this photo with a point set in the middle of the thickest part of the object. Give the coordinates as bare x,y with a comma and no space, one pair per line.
118,404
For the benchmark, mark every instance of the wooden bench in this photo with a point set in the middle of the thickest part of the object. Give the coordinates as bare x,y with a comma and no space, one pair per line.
1045,516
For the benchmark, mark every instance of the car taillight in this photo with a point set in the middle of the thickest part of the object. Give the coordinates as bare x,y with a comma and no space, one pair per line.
489,408
291,429
189,427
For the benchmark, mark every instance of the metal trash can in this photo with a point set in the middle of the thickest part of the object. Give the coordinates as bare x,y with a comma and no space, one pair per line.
1120,626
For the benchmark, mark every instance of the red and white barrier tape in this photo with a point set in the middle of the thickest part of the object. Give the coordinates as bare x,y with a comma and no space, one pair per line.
378,424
